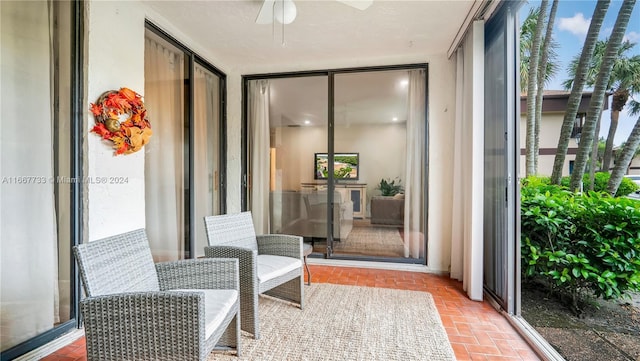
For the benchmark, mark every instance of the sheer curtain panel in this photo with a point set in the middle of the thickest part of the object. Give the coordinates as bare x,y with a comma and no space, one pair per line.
414,244
260,153
164,157
468,177
206,159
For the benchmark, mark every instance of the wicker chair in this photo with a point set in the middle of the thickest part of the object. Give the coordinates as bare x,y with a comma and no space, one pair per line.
269,264
137,310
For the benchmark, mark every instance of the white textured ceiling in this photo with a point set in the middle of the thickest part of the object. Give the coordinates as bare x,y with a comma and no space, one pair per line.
360,98
324,31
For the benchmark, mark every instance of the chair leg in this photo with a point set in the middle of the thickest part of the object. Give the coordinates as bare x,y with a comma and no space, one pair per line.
308,272
249,319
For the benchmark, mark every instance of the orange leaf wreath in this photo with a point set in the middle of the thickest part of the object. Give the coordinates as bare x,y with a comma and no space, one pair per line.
130,135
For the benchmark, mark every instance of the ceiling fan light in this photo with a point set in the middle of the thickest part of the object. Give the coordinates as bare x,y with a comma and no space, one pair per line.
285,11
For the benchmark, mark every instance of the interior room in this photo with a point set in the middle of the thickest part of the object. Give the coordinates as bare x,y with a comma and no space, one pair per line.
370,108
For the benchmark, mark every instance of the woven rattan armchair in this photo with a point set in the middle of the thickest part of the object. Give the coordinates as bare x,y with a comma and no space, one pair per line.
137,310
269,264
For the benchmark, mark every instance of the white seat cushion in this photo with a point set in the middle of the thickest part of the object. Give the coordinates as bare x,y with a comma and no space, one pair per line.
217,304
270,267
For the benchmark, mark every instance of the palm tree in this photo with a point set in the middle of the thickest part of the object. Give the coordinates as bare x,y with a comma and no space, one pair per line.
595,149
532,88
545,53
626,82
527,30
536,52
620,84
576,90
629,150
599,92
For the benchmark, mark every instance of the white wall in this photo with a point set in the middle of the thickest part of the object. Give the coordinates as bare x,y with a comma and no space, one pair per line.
115,58
381,148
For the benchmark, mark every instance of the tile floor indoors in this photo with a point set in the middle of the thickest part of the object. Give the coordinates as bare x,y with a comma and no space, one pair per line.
475,329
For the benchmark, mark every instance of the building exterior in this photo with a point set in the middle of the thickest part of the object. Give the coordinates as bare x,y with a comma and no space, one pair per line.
553,107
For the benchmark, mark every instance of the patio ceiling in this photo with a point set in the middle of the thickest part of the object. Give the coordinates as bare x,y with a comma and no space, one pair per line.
327,32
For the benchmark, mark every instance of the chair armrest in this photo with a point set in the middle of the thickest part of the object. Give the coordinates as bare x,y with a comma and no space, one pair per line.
142,324
207,273
247,260
280,245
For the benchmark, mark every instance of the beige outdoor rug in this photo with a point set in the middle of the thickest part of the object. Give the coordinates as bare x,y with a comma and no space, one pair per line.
341,323
372,240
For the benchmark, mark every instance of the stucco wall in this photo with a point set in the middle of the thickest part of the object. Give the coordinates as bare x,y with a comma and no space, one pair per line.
115,58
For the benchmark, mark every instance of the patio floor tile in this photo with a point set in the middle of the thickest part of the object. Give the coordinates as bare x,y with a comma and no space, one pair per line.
476,331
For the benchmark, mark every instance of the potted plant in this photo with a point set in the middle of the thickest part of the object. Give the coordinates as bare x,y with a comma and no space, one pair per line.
389,187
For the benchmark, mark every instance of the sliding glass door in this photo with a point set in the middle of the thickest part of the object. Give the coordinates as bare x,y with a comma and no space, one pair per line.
183,164
288,130
335,141
500,185
39,193
374,121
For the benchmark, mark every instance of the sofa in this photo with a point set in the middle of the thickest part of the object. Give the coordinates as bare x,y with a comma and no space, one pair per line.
305,214
387,210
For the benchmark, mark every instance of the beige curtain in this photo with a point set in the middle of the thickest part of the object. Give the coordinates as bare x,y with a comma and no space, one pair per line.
259,148
414,185
164,159
206,124
467,203
28,241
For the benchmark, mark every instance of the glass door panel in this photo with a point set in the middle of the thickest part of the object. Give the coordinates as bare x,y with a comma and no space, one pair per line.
297,134
371,112
165,167
36,207
499,163
206,151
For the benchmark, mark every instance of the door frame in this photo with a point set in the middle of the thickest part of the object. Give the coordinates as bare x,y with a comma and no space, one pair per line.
330,73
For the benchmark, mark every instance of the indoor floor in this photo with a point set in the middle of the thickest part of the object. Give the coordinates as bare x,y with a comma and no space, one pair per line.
475,329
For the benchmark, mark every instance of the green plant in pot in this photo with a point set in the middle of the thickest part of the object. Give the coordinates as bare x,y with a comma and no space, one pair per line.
390,187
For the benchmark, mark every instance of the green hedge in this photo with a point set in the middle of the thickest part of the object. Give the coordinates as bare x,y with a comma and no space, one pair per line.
600,181
581,246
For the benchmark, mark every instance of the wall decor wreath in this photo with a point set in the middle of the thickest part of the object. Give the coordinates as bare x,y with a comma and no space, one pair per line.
122,119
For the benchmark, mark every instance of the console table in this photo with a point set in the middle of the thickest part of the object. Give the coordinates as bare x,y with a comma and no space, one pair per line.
355,192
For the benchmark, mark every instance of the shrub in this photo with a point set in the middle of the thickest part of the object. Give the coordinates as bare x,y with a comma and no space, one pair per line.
600,181
580,245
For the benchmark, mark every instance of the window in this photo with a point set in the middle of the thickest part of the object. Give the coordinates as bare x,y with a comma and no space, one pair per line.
577,125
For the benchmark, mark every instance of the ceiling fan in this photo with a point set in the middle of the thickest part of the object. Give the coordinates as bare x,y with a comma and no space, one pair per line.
284,11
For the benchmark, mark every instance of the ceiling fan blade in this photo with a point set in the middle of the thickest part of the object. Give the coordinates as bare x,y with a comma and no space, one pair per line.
358,4
265,16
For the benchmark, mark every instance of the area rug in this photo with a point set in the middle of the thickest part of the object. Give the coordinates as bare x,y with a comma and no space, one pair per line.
341,323
373,241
